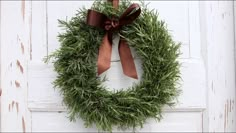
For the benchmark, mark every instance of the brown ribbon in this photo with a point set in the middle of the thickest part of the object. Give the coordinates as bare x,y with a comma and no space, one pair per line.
100,20
115,3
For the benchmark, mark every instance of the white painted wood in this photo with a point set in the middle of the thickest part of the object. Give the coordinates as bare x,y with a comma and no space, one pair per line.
15,45
41,77
42,99
176,15
0,67
39,31
173,122
205,30
219,51
194,29
60,10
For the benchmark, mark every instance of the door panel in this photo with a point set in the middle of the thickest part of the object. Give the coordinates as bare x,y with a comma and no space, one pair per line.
45,103
172,122
28,34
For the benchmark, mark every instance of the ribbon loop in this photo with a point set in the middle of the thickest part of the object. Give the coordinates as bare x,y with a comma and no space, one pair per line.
96,19
130,14
100,20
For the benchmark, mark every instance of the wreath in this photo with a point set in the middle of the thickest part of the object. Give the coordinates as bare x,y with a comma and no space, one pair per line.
76,65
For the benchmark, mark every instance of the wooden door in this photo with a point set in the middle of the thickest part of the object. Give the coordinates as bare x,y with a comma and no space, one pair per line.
29,33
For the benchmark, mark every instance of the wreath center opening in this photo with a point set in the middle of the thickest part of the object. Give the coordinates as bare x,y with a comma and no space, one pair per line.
115,79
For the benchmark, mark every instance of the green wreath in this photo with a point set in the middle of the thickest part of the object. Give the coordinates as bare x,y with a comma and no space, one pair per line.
81,87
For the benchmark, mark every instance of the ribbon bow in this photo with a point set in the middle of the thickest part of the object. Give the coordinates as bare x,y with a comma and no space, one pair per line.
110,25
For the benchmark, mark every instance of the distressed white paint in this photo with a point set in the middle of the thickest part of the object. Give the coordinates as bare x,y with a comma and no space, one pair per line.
205,30
15,45
218,42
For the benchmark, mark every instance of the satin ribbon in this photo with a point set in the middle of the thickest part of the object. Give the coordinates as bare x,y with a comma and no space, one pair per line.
111,25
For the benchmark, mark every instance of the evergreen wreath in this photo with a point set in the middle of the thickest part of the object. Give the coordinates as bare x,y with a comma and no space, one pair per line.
81,87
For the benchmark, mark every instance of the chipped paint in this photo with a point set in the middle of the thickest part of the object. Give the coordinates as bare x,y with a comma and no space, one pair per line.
21,44
218,18
228,121
14,66
216,97
17,84
17,107
23,8
23,124
0,92
20,66
12,105
22,48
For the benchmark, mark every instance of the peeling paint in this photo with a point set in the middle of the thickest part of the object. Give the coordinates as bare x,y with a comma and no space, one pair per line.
12,104
17,107
22,48
23,9
20,66
21,44
26,50
17,84
23,124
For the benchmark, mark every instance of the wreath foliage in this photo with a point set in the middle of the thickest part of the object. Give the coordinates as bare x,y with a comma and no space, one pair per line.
81,87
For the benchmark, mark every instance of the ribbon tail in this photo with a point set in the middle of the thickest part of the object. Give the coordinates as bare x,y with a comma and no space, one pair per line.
104,56
127,60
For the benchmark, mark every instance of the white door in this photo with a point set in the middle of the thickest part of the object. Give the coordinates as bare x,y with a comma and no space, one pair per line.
29,32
